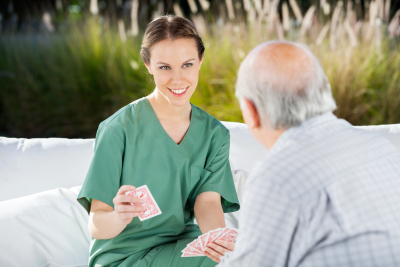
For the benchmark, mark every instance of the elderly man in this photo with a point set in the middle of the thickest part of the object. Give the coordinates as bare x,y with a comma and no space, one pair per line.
327,194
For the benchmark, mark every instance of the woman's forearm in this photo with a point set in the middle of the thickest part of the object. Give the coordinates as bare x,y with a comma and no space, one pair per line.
209,215
105,224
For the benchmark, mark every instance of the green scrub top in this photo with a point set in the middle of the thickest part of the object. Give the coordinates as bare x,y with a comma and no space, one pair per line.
132,148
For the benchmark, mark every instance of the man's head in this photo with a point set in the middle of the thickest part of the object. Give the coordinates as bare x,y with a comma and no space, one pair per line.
280,85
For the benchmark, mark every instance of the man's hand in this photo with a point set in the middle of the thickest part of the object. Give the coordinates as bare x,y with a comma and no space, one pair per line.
218,248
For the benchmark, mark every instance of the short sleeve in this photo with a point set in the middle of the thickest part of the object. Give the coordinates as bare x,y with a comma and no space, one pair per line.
217,177
102,181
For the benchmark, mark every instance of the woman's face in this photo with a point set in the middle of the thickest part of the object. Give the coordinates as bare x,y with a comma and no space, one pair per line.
175,66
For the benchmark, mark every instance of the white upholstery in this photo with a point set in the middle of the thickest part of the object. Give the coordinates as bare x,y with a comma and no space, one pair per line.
390,131
239,177
244,150
49,228
44,229
29,166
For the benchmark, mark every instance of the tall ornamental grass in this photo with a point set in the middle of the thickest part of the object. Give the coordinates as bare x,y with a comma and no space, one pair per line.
65,84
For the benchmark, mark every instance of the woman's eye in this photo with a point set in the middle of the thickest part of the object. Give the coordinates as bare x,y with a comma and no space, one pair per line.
164,68
187,65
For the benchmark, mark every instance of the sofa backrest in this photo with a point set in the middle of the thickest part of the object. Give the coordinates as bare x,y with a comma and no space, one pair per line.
29,166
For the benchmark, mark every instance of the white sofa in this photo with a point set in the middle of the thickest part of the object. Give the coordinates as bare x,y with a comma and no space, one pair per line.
42,224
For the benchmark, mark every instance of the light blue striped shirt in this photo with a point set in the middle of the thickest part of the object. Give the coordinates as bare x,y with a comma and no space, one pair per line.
327,194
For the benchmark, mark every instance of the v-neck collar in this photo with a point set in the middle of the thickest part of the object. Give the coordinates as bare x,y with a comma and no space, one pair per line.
160,136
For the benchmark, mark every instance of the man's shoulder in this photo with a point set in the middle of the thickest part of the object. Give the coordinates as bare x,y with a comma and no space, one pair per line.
309,161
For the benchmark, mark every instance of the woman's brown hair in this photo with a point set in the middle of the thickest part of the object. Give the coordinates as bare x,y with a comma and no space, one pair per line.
169,27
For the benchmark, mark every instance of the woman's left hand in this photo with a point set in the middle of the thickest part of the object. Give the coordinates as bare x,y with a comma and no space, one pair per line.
217,249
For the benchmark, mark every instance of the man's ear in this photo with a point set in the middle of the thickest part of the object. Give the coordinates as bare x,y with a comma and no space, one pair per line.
148,67
254,116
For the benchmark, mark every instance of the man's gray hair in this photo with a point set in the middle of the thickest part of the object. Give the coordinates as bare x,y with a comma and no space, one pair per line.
280,106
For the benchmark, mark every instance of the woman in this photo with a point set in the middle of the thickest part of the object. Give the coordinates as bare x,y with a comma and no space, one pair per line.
163,141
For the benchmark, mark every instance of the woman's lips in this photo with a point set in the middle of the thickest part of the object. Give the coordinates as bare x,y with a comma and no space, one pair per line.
179,94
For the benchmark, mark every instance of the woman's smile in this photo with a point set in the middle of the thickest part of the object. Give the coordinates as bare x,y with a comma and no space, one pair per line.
179,92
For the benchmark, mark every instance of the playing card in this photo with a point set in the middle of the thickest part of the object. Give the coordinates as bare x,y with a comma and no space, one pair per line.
203,240
190,250
196,245
187,254
223,232
228,234
212,235
147,198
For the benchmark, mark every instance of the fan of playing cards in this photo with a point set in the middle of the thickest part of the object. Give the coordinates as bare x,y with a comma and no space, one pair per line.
197,247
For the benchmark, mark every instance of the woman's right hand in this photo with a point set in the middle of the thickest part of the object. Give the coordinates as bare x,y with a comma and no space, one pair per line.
122,205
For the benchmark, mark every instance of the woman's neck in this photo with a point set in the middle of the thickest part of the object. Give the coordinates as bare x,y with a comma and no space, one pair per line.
166,111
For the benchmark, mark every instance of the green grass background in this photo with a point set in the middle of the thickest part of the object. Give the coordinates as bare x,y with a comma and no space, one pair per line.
65,84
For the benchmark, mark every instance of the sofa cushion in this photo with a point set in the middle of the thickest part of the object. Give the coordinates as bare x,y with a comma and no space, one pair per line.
245,150
240,178
29,166
390,131
44,229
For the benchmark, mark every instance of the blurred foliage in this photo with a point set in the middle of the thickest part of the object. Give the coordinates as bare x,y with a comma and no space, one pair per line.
63,84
